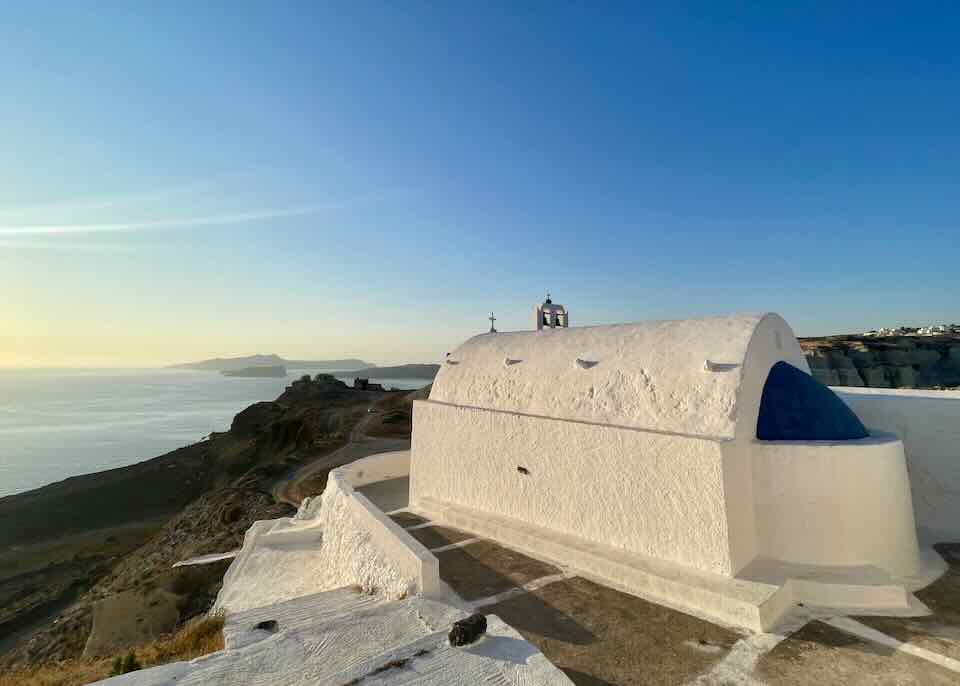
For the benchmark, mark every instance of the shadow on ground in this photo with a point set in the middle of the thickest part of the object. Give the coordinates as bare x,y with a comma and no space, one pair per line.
599,636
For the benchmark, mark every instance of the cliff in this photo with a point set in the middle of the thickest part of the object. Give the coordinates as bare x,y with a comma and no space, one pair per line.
885,362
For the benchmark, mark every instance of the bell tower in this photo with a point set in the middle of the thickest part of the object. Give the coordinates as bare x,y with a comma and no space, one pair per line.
549,315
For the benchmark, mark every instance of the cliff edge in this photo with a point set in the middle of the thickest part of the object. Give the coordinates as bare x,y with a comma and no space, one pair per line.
885,362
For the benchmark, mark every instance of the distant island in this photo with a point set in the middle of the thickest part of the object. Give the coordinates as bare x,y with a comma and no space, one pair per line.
403,371
221,364
276,366
273,370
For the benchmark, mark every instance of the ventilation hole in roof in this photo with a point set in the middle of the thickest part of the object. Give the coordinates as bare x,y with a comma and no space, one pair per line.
586,364
719,366
796,407
523,470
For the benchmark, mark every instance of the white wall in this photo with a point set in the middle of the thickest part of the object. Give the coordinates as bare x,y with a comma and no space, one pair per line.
654,494
928,422
843,503
362,545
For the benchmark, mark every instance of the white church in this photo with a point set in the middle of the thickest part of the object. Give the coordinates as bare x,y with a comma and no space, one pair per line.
694,461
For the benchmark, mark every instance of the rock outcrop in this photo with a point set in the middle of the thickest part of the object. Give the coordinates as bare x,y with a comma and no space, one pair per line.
885,362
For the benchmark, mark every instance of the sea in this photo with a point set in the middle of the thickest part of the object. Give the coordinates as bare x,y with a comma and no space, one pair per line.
56,423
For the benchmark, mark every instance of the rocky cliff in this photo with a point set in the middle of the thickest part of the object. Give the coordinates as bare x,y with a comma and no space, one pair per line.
885,362
110,538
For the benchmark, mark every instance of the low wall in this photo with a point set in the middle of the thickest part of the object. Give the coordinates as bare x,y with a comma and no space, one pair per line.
370,549
655,494
843,503
340,539
928,423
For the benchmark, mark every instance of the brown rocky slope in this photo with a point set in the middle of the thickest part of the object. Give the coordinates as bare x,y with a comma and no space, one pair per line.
103,545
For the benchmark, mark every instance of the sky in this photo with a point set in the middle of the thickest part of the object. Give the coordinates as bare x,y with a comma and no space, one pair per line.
185,180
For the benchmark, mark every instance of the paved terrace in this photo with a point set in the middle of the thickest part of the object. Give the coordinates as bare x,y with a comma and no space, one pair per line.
599,636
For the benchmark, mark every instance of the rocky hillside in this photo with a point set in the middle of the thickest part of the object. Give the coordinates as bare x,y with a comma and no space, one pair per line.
102,545
885,362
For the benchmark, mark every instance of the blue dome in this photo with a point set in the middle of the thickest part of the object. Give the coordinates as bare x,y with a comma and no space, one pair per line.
796,407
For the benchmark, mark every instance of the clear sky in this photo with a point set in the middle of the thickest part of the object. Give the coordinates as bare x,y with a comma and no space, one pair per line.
183,180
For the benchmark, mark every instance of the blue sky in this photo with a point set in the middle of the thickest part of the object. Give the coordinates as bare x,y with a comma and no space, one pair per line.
370,179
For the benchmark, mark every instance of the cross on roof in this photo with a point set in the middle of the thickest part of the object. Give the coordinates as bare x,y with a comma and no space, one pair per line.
492,320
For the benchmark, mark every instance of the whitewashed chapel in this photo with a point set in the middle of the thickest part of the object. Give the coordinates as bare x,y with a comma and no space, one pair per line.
696,461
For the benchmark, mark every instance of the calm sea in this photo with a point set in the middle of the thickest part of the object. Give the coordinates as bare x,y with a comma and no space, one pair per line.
60,423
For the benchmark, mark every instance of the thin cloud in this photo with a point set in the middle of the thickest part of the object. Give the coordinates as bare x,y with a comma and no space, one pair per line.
122,199
212,220
62,246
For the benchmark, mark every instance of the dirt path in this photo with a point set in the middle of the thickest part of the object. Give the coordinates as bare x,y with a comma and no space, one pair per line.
358,445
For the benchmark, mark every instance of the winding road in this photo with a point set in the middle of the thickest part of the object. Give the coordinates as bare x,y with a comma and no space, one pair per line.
358,445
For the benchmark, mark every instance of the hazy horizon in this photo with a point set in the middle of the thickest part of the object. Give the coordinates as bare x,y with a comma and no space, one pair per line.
168,364
173,364
367,180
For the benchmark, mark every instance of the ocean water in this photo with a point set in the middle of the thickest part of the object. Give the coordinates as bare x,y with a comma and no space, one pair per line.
60,423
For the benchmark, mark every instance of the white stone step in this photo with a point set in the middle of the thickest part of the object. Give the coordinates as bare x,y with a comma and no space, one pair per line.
314,652
295,615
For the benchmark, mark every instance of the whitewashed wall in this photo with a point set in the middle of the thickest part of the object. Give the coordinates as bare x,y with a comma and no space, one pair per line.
654,494
928,422
842,503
